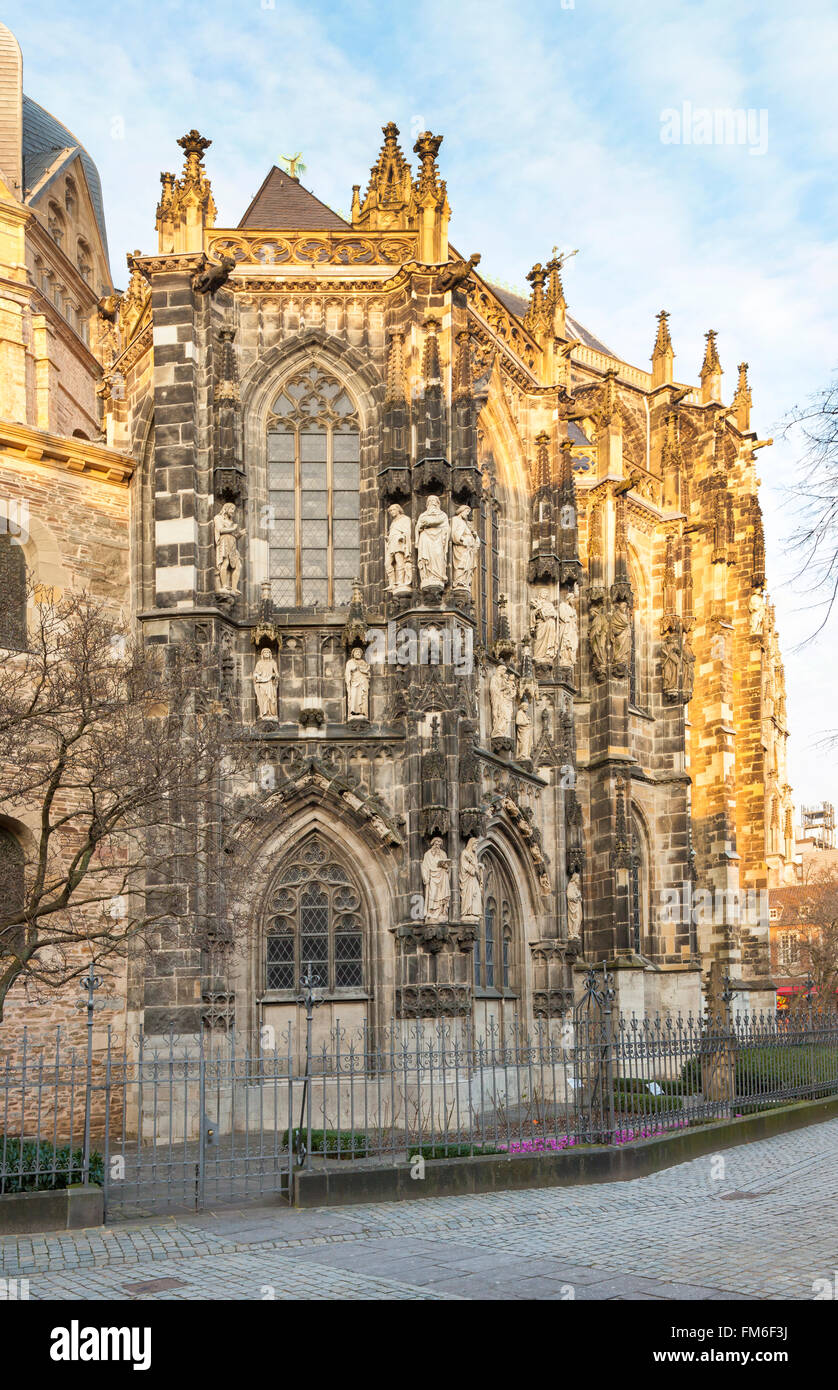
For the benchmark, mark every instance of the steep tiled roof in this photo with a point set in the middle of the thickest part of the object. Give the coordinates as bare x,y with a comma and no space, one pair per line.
282,202
518,305
45,140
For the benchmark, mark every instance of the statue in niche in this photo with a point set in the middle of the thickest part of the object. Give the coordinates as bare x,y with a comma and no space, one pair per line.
501,699
436,877
397,554
687,666
568,630
573,894
756,607
433,530
471,890
357,678
598,637
228,563
544,626
523,732
671,661
620,634
465,544
266,684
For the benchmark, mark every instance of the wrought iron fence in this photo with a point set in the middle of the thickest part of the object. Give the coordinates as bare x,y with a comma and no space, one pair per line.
207,1120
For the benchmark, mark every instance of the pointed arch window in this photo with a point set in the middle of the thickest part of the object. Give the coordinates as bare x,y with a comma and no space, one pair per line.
493,948
313,492
314,918
638,888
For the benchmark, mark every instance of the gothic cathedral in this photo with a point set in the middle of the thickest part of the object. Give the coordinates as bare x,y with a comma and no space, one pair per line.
488,602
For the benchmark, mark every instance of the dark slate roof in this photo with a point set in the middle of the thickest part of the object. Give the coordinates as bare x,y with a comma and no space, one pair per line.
517,305
282,202
44,140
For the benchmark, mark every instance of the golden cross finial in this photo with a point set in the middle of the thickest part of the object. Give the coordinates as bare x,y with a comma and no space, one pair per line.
294,164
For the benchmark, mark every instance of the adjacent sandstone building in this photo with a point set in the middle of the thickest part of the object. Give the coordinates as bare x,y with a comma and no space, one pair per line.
488,601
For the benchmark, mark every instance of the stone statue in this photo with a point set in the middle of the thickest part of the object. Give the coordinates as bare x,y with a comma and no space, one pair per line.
357,677
266,684
501,697
228,563
436,876
433,530
523,731
620,633
756,606
397,554
544,626
471,891
465,544
598,638
568,631
671,661
687,666
573,893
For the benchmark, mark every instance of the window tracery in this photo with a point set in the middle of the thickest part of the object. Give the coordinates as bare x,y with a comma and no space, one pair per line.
313,492
314,918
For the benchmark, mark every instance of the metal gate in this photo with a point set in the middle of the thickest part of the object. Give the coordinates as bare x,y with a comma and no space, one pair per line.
189,1127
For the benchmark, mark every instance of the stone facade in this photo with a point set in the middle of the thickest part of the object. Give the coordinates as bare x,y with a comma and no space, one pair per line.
598,705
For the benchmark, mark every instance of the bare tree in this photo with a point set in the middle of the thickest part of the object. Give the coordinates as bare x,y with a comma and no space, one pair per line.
112,762
817,935
816,494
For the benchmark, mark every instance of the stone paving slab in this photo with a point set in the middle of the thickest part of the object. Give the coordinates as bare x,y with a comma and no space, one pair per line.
756,1222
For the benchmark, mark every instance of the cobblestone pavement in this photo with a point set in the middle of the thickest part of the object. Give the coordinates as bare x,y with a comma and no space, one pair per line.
754,1222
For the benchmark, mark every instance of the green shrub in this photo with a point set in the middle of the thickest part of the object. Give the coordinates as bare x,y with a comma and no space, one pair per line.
637,1100
758,1070
44,1168
451,1150
334,1143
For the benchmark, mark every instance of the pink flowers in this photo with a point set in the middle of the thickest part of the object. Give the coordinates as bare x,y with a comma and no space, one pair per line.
567,1141
625,1136
537,1146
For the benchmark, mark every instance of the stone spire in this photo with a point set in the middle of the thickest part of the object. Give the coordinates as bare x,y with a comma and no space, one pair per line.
388,202
432,468
431,199
663,354
355,630
186,208
538,318
571,568
504,647
544,561
228,475
711,371
742,400
466,482
554,298
394,477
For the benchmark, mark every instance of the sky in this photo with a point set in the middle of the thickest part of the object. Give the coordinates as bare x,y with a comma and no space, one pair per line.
571,124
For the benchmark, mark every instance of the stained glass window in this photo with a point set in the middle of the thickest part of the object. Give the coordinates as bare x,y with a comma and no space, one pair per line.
314,918
493,946
313,492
